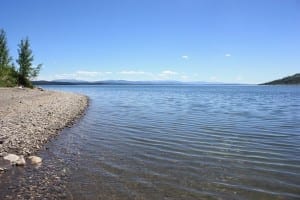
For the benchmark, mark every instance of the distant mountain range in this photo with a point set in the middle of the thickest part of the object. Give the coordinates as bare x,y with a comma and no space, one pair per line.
294,79
114,82
289,80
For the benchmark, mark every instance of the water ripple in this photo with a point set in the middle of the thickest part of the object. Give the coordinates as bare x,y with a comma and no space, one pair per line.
185,142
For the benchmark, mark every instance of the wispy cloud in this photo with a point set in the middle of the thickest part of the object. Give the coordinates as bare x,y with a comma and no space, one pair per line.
88,73
184,77
64,76
185,57
123,74
132,72
213,78
83,75
227,55
167,74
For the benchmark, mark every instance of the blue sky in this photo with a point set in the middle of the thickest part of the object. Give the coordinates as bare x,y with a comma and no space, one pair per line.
229,41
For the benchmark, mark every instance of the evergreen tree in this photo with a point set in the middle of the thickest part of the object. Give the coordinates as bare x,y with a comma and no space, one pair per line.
4,57
7,71
26,70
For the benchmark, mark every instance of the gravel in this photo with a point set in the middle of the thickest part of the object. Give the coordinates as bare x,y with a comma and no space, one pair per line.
30,117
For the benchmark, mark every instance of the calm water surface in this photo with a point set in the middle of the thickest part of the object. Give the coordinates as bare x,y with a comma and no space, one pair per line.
184,142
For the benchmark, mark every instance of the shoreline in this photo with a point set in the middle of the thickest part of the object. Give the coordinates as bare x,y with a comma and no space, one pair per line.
29,118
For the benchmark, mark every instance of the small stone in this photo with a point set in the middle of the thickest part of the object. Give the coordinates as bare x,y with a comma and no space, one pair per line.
21,161
40,89
12,158
2,169
35,159
2,154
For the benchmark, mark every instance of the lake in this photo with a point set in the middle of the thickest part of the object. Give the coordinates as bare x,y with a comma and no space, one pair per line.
183,142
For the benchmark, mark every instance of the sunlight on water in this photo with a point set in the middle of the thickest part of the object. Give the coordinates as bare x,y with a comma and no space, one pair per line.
184,142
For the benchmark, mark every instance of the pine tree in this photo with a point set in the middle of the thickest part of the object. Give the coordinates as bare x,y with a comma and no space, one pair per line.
4,57
7,71
26,70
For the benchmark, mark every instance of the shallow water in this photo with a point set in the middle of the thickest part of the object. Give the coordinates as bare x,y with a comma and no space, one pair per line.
183,142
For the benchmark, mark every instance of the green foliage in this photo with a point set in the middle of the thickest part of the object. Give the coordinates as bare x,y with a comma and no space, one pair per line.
4,57
26,70
9,76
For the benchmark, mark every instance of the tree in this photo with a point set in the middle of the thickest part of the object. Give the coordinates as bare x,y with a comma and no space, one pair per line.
4,57
26,70
7,71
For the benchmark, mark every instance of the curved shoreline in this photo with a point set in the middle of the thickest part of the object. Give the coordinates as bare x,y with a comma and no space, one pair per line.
30,117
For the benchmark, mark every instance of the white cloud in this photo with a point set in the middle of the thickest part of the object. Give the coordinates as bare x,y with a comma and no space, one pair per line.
64,76
131,72
228,55
168,72
184,77
88,73
123,74
83,75
185,57
213,78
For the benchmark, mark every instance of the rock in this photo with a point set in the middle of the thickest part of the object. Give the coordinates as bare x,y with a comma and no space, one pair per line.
2,154
40,89
35,160
21,161
15,160
12,158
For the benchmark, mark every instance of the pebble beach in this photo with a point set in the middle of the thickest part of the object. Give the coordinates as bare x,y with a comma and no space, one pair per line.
30,117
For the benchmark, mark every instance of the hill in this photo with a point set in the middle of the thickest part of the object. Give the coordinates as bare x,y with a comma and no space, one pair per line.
289,80
120,82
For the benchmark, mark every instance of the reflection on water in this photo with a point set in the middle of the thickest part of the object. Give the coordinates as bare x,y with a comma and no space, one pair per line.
184,142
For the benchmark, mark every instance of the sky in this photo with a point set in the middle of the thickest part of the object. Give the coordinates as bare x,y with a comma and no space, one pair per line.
230,41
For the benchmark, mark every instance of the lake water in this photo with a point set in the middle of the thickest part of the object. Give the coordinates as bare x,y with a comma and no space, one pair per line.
183,142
